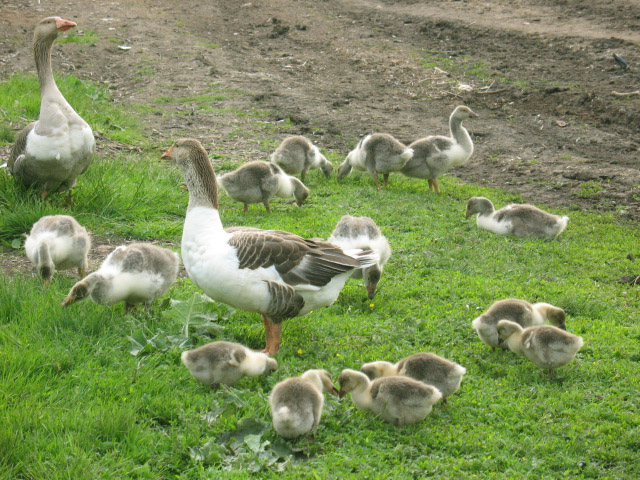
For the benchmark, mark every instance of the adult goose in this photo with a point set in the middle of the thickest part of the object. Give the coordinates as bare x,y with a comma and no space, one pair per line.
434,155
297,155
277,274
51,152
377,153
519,220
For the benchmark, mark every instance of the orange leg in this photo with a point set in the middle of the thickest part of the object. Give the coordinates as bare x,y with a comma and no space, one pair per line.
246,207
273,333
386,179
375,177
436,187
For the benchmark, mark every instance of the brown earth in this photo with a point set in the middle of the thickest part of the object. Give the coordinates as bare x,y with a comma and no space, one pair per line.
541,74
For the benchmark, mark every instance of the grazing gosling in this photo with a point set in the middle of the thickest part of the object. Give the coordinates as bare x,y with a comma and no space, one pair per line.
363,233
296,403
259,181
519,311
427,368
226,363
398,400
546,346
297,155
377,153
58,242
137,273
519,220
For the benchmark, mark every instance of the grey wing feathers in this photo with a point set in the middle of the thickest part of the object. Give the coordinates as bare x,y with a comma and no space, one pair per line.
19,148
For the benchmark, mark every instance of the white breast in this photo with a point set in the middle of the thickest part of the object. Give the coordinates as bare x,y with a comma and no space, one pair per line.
488,222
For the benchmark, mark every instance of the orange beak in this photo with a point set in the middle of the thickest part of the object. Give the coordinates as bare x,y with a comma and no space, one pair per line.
168,153
62,24
334,391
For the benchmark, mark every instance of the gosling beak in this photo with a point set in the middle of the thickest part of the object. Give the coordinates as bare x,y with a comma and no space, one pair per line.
62,24
341,393
468,214
334,391
183,185
371,290
168,153
68,301
473,114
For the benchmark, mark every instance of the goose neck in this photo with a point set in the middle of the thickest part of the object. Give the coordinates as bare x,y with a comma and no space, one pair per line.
42,53
460,134
201,182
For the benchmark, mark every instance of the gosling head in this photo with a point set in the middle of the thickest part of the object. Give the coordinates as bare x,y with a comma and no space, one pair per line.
78,292
462,113
271,365
350,380
326,167
507,328
379,369
327,382
479,205
371,278
557,317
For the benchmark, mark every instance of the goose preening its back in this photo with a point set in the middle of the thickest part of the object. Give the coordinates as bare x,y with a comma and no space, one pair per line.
259,182
296,155
377,153
226,363
362,232
277,274
425,367
519,311
58,242
296,403
398,400
519,220
434,155
136,273
546,346
51,152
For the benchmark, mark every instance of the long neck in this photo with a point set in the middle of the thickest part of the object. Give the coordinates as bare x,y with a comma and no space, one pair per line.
201,181
460,134
95,285
42,52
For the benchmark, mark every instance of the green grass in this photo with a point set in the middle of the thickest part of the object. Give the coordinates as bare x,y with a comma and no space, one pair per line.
74,403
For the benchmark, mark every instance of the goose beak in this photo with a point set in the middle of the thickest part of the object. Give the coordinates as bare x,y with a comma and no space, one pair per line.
68,301
62,24
371,290
168,153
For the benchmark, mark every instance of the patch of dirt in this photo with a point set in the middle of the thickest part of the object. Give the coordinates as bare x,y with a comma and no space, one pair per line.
544,79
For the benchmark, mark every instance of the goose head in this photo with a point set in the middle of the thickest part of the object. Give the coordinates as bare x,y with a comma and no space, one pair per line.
49,27
351,380
479,205
462,113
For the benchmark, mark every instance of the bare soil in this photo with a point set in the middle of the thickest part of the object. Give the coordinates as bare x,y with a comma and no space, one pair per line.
556,109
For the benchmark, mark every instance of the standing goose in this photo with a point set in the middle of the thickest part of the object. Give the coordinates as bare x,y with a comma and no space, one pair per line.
277,274
58,242
137,273
259,181
226,363
546,346
362,232
519,220
398,400
425,367
434,155
51,152
519,311
377,153
297,155
296,403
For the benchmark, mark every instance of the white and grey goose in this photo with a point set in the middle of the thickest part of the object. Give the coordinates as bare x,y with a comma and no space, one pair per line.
398,400
377,153
296,155
58,242
259,182
277,274
362,232
136,273
434,155
519,220
226,362
51,152
519,311
296,403
546,346
425,367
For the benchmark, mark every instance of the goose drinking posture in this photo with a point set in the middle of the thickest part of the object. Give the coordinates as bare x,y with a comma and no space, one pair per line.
434,155
277,274
58,242
377,153
425,367
51,152
546,346
519,220
362,232
519,311
297,155
137,273
296,403
258,181
398,400
226,362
